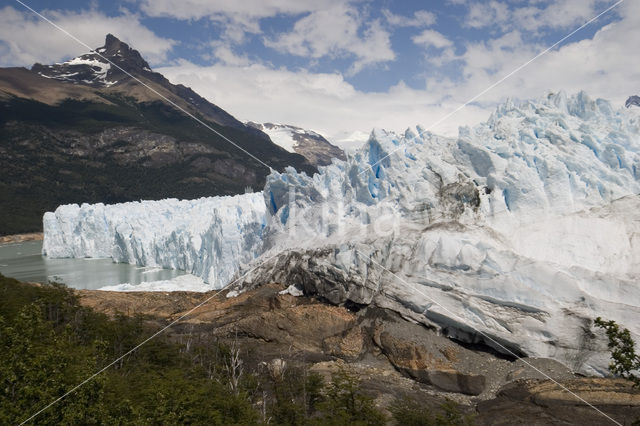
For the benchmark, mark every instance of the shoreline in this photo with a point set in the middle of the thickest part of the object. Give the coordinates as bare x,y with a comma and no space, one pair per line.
19,238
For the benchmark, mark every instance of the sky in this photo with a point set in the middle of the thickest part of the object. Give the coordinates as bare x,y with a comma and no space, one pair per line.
343,67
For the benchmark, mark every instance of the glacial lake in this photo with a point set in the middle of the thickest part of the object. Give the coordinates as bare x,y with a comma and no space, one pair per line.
25,262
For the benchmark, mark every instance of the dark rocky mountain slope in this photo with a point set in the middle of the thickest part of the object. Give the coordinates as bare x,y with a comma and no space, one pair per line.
86,131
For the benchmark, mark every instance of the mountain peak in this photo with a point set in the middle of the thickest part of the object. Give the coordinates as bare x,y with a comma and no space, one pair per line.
111,41
103,67
121,54
113,44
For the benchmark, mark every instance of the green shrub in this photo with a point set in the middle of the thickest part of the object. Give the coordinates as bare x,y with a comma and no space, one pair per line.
408,411
345,403
50,344
624,360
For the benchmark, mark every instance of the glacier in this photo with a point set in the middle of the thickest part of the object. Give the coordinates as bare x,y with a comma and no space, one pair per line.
208,237
515,234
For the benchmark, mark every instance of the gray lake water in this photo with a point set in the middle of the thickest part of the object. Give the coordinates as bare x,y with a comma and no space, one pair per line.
25,262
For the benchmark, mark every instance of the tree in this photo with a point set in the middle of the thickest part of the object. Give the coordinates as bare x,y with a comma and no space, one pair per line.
624,360
39,365
50,344
296,393
408,411
346,404
234,366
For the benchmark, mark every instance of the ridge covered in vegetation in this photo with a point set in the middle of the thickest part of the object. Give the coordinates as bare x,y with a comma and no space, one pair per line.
50,343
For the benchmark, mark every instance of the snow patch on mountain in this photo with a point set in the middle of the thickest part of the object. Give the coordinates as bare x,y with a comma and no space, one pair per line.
311,145
104,67
282,136
91,68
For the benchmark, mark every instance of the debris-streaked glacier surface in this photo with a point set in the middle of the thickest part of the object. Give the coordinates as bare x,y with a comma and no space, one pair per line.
524,228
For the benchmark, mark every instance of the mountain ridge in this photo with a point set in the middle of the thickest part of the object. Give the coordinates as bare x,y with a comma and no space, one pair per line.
85,131
311,145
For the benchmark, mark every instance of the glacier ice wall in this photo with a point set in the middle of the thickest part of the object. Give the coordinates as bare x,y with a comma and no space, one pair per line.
519,174
523,228
207,237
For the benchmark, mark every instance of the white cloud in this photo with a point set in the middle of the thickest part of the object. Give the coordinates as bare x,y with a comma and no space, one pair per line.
339,31
257,9
318,101
487,14
420,18
432,38
329,28
604,65
26,38
236,17
224,53
563,14
558,14
236,27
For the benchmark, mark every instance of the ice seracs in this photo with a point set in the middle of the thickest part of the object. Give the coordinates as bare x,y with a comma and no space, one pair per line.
520,231
208,237
516,234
